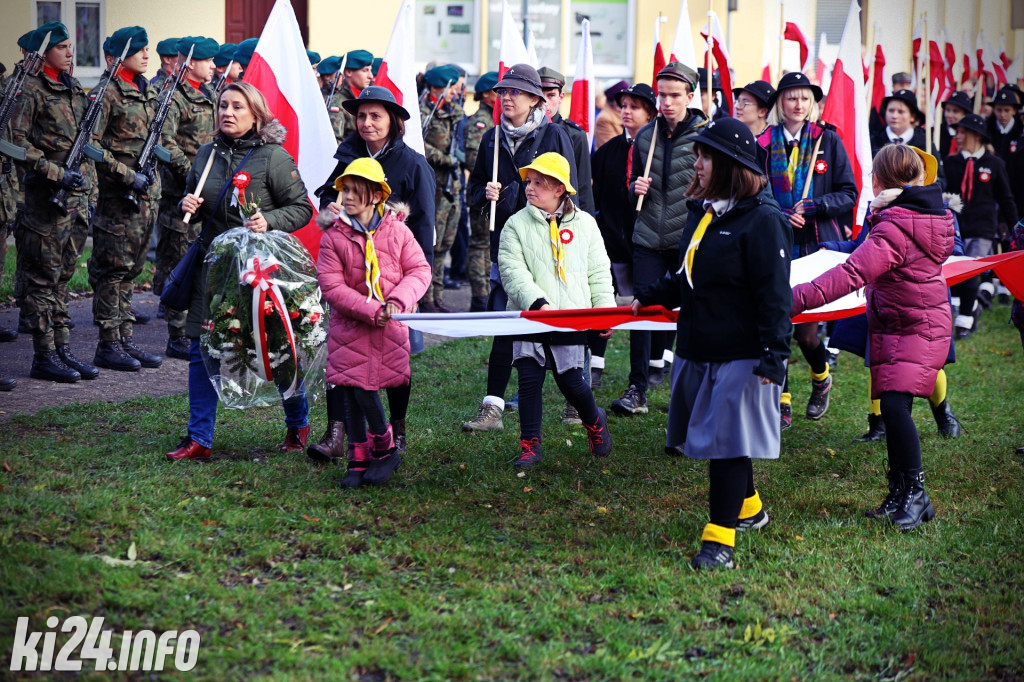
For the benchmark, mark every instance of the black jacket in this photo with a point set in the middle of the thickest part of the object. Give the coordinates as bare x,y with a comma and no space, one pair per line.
740,302
545,138
581,153
616,205
410,178
991,201
1010,148
881,138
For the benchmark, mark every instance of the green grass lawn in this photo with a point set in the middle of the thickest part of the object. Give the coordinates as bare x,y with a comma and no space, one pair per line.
460,569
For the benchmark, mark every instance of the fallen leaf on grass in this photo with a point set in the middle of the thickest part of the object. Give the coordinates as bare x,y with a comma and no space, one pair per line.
602,510
39,487
7,467
209,522
381,628
111,561
311,519
521,474
133,553
527,489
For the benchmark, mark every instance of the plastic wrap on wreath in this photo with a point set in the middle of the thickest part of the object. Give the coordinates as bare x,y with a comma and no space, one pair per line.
265,336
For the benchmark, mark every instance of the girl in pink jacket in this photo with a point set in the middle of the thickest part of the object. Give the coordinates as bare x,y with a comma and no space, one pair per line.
370,268
909,319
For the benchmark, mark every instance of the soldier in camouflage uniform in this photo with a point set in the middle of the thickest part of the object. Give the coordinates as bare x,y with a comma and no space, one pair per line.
8,210
478,259
49,243
439,132
552,83
190,123
167,49
121,230
357,75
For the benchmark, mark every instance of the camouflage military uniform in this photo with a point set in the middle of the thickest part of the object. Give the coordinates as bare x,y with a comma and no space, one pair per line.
8,192
158,80
120,232
437,139
344,123
478,260
49,243
190,124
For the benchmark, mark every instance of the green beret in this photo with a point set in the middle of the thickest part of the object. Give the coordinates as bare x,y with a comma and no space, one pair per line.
440,76
58,34
358,59
487,81
377,61
202,48
168,47
26,39
243,53
314,57
106,46
225,54
328,66
121,36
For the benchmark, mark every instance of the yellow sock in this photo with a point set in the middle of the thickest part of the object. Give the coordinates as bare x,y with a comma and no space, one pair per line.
875,407
822,376
720,534
751,506
786,399
939,392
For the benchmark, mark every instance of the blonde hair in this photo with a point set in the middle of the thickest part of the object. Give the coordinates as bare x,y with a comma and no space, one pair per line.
896,166
254,99
776,117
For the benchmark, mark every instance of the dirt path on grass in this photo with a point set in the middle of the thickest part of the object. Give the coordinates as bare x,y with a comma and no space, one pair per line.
32,395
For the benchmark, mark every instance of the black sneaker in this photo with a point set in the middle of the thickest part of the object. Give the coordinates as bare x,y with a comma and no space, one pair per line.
598,438
817,406
178,347
633,401
755,522
713,555
785,416
530,453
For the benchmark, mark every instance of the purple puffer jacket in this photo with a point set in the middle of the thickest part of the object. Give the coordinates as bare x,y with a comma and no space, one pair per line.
360,353
900,267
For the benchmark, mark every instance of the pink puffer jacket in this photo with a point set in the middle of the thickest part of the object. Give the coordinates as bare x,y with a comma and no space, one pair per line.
900,266
360,353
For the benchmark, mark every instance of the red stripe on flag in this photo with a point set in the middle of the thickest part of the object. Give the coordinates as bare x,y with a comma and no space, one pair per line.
579,104
383,80
583,319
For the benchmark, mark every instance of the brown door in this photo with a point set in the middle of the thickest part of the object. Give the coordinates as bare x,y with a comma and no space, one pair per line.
245,18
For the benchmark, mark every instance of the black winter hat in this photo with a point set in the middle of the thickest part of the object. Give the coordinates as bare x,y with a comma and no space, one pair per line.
762,91
975,123
795,79
378,94
521,77
733,139
907,97
1007,95
960,99
641,90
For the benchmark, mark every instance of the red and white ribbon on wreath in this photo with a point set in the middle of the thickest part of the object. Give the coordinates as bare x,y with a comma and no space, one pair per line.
257,275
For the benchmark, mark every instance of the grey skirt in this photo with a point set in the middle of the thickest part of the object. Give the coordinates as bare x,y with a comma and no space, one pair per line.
720,410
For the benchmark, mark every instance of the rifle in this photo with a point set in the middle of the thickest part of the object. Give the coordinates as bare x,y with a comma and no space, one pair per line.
217,83
436,105
152,151
459,155
334,83
81,146
29,66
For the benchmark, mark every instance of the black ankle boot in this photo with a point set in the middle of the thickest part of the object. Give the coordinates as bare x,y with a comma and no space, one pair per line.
949,426
110,355
150,360
915,508
398,429
47,365
876,430
892,501
86,370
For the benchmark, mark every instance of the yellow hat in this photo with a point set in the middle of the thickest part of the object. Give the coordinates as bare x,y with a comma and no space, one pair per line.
553,165
931,166
369,169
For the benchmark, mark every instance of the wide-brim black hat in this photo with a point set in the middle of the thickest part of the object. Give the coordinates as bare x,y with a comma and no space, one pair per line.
702,78
795,79
1006,95
907,97
975,123
641,90
733,139
960,99
521,77
762,91
379,95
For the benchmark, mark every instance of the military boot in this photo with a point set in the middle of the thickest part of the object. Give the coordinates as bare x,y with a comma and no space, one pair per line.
87,371
150,360
48,366
111,355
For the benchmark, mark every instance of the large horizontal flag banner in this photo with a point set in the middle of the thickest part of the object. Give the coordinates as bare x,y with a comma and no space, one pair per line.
1009,267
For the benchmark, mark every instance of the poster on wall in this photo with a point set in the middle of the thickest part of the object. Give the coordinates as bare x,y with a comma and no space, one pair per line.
447,33
611,31
544,18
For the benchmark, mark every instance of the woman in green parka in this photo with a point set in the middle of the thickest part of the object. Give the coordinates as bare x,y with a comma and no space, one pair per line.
249,138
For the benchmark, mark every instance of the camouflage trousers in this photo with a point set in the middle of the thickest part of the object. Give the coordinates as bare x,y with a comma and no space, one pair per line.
478,257
120,239
446,226
49,245
174,236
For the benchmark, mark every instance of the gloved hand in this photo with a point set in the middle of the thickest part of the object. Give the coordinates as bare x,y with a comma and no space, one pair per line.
141,182
72,180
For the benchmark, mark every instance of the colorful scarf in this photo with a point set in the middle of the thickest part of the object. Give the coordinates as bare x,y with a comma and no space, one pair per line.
789,174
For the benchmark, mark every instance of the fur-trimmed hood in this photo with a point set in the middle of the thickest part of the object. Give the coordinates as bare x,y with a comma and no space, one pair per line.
953,201
273,132
324,218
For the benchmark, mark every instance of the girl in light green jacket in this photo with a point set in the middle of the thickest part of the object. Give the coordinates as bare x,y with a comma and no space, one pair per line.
551,257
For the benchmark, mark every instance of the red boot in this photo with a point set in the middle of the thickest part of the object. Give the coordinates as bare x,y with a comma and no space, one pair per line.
384,458
295,438
189,449
358,460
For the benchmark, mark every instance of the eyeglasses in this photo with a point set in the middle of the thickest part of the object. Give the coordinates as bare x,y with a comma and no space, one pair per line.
508,92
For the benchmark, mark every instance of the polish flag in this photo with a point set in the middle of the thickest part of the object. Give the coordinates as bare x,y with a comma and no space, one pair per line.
1014,72
794,34
950,60
878,88
398,73
821,71
965,71
659,54
937,69
683,50
1004,58
845,108
988,62
721,52
280,70
582,104
511,51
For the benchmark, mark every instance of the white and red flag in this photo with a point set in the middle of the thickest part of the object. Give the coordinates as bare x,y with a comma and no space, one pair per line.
845,108
878,88
949,58
966,70
794,34
659,54
398,72
713,31
766,59
582,103
511,50
683,49
988,60
280,70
